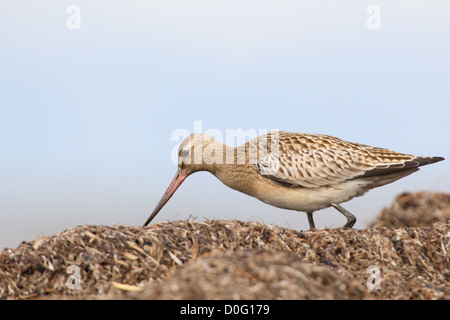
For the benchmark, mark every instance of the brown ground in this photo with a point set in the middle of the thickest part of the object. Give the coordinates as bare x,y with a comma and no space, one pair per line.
418,209
231,259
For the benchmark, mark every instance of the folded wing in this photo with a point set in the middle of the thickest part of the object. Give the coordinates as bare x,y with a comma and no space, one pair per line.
306,160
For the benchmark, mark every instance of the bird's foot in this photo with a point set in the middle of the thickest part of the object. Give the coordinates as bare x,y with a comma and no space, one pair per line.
351,219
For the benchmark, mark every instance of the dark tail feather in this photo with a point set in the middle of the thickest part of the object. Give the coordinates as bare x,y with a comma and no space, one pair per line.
427,160
393,168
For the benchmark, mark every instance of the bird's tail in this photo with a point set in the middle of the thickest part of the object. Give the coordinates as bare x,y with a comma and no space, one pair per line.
423,161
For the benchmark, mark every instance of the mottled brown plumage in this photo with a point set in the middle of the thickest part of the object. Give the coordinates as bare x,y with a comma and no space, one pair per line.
303,172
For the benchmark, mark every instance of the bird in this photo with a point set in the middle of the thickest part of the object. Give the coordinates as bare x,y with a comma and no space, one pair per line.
295,171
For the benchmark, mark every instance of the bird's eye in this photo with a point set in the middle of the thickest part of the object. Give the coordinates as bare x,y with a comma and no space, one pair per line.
186,153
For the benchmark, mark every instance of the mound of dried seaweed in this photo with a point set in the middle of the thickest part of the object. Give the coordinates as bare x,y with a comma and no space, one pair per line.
417,209
253,274
413,262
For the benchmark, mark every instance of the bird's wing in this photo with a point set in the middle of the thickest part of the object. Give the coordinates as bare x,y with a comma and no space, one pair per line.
307,160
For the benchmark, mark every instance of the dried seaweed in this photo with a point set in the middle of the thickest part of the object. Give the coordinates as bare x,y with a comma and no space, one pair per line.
252,274
417,209
230,259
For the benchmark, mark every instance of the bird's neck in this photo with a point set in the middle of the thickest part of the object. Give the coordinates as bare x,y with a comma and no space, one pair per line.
230,165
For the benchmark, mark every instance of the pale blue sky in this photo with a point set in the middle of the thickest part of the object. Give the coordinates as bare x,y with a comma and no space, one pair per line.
86,116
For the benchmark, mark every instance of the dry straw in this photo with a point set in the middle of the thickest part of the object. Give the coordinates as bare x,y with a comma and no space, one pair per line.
230,259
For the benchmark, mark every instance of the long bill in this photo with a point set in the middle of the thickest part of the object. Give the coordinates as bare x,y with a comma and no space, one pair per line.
176,182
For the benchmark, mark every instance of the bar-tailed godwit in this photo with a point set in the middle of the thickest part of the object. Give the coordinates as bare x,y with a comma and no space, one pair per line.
296,171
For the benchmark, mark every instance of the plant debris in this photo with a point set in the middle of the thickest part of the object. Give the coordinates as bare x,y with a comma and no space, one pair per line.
419,209
252,274
229,259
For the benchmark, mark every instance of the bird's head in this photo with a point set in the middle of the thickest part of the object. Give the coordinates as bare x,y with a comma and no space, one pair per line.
196,153
192,155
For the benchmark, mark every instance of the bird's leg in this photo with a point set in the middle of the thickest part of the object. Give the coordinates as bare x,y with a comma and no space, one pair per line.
311,220
351,219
